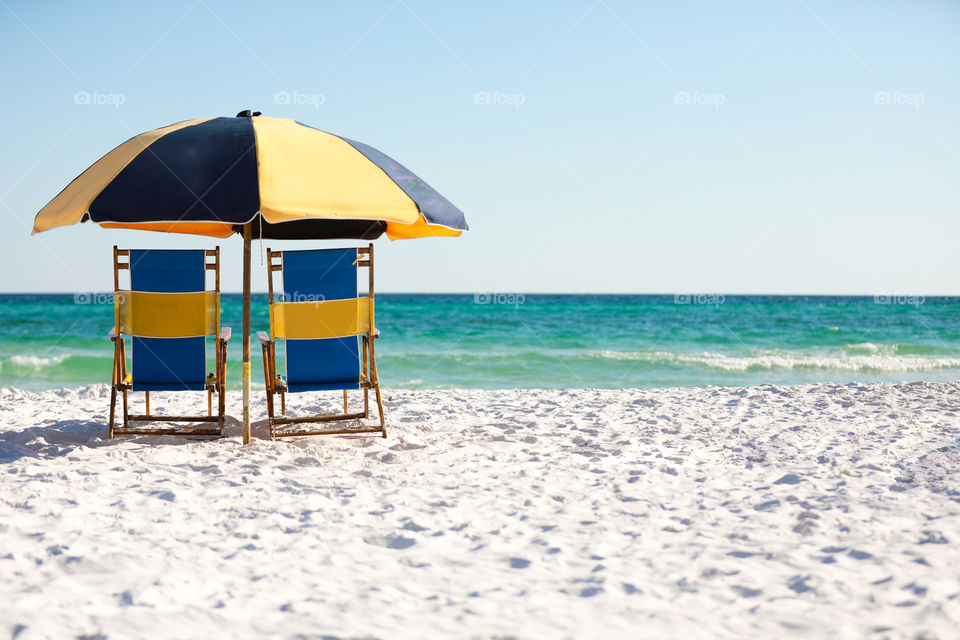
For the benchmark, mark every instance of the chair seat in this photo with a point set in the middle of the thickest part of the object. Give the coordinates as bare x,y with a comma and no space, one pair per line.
335,385
168,386
169,364
325,364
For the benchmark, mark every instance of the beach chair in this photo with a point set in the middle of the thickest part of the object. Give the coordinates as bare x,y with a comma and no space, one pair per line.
167,313
328,333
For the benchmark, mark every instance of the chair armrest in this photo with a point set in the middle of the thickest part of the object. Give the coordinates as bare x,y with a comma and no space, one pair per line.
225,333
113,333
376,333
263,337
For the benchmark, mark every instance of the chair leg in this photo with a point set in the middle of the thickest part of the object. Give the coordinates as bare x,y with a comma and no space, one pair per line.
345,401
113,406
267,376
146,398
209,402
223,384
383,423
113,387
221,406
283,403
122,377
376,386
270,410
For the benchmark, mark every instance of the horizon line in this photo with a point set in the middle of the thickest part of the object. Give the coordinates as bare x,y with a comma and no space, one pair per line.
559,293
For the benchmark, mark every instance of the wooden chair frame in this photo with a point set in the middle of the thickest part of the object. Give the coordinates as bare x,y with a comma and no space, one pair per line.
368,370
122,384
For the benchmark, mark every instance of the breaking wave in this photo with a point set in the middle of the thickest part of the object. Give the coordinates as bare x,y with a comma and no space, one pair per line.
862,358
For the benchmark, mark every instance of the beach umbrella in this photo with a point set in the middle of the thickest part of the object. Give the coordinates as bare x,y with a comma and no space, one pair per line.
256,176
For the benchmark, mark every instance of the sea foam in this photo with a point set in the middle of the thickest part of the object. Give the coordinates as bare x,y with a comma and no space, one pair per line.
878,360
36,362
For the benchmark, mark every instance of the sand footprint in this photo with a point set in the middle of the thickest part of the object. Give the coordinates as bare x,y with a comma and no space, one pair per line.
392,541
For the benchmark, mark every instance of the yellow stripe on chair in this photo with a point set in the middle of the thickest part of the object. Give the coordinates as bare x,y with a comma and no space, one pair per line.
148,314
314,320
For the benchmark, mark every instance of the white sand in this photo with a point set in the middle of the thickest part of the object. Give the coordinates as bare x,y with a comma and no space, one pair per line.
766,512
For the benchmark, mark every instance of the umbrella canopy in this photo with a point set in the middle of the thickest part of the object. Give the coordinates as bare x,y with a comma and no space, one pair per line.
262,177
212,176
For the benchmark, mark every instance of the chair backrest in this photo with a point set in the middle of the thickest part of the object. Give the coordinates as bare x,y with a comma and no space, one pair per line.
321,316
168,312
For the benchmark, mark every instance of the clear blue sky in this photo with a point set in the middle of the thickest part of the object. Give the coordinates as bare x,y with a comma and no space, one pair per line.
792,146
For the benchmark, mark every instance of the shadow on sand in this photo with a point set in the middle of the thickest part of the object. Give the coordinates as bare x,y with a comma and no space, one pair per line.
63,438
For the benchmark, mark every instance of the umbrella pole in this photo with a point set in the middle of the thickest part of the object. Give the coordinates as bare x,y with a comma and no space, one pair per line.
247,230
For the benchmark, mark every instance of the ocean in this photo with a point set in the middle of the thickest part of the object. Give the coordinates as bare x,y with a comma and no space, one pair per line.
552,341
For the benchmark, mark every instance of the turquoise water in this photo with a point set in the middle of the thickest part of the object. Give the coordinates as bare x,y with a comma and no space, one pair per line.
433,341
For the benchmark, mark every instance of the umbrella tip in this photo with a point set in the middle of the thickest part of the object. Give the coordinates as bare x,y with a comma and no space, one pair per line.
247,113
